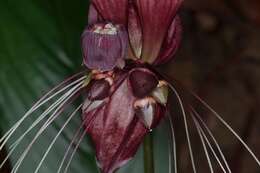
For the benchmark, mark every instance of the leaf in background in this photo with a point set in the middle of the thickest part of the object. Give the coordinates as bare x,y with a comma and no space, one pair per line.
40,46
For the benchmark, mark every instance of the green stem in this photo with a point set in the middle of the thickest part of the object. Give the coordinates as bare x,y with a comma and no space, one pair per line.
148,154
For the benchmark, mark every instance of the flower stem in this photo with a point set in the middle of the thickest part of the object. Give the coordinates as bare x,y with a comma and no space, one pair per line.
148,154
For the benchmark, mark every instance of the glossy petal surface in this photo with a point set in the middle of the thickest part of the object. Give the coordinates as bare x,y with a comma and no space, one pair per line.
156,17
171,42
135,31
143,82
115,128
93,15
112,10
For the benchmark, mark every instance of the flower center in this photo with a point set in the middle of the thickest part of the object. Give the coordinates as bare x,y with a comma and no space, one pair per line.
108,29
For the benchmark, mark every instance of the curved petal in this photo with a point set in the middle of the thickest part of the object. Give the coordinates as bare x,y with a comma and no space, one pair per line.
115,128
135,31
93,16
156,17
114,11
116,131
171,42
142,81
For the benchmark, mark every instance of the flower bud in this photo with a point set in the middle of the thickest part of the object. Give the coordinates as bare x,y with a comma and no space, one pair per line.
104,46
98,90
143,82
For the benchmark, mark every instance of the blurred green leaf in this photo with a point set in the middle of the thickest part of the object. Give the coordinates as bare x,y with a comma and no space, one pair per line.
40,46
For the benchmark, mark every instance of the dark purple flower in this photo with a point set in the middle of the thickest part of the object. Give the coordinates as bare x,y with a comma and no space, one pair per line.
121,120
154,29
124,97
134,103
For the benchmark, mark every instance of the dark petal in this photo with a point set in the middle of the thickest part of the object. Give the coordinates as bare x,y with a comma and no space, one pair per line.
149,112
135,31
123,35
93,16
143,82
171,42
115,130
114,11
156,17
98,90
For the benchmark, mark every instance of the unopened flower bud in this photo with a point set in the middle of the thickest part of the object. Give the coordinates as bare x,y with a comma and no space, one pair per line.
143,82
104,46
98,89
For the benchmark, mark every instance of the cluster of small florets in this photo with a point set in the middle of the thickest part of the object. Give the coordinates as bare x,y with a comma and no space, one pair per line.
108,28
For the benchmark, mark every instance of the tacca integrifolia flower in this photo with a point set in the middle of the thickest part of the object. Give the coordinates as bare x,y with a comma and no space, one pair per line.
124,96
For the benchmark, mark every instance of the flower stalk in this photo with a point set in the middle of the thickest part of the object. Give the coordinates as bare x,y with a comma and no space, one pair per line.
148,154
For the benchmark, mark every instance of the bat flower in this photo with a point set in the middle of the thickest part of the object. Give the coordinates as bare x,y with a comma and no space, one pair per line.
124,96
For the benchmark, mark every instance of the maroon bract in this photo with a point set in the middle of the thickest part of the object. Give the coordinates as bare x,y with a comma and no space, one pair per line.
154,29
119,125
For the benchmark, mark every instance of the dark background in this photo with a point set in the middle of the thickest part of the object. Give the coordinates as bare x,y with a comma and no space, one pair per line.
219,59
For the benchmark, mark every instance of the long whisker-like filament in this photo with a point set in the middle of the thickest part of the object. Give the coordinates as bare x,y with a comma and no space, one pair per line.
72,142
56,137
47,111
208,143
229,128
203,143
70,146
54,115
74,151
173,151
213,139
39,119
186,127
47,123
41,102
